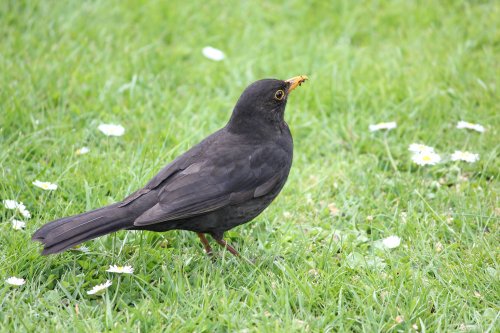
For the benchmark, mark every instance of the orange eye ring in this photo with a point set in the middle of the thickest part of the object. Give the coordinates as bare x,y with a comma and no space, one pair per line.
279,95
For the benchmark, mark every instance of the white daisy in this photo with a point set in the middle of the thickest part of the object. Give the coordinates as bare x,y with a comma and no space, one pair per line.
14,281
111,129
120,269
464,156
439,247
18,225
99,289
382,126
11,204
391,242
81,248
427,158
24,212
47,186
83,150
419,148
471,126
213,53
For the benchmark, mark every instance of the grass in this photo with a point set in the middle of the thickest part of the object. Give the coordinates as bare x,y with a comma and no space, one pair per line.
65,67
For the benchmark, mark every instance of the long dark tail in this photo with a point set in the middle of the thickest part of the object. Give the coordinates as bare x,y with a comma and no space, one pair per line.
67,232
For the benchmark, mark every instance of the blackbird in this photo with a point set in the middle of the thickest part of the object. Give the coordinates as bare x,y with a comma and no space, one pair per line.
226,180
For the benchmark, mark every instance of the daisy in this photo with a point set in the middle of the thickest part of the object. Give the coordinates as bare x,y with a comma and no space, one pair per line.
111,129
120,269
11,204
334,211
18,225
464,156
427,158
99,289
47,186
83,150
381,126
24,212
419,148
391,242
471,126
438,247
81,248
14,281
213,53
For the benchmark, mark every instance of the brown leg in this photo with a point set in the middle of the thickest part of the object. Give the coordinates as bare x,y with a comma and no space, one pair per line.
205,243
231,249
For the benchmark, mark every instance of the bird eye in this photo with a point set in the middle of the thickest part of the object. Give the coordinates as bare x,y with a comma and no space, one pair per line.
279,95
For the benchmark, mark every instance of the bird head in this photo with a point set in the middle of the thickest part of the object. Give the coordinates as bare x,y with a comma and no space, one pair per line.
262,104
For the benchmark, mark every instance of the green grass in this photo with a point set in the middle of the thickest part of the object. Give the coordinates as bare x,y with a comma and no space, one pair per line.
426,64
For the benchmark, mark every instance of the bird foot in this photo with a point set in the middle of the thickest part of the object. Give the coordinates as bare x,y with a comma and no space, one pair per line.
206,245
231,249
220,241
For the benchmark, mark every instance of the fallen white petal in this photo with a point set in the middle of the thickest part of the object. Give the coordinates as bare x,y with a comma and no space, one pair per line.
213,53
47,186
15,281
111,129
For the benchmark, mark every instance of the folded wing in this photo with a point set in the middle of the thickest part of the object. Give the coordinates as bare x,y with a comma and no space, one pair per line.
208,185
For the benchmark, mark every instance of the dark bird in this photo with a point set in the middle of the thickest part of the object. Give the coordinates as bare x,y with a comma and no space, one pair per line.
226,180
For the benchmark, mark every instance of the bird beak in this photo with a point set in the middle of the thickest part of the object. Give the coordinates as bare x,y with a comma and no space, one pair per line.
296,81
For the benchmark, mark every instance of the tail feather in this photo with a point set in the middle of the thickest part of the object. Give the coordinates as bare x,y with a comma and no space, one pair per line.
67,232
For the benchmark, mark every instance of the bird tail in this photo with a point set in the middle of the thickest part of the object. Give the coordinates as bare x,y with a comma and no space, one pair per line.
67,232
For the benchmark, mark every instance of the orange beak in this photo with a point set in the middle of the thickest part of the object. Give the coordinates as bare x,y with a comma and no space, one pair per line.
296,81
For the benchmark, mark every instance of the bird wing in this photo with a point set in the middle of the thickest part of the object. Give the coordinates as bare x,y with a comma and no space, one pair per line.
207,185
180,163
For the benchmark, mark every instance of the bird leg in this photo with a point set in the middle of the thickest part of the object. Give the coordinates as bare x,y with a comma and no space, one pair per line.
231,249
205,243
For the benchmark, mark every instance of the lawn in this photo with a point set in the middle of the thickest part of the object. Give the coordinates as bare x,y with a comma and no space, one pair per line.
314,260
